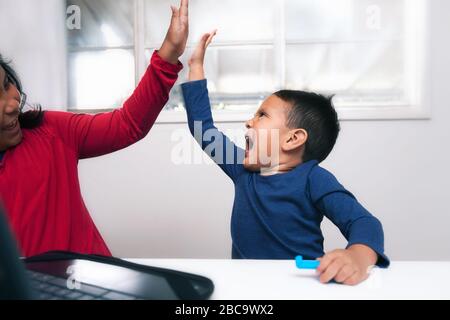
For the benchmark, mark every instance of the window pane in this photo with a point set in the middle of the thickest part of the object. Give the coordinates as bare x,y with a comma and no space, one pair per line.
358,72
235,19
240,70
237,77
104,23
100,79
344,19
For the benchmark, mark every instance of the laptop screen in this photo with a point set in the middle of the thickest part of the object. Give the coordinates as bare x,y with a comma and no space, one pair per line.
13,280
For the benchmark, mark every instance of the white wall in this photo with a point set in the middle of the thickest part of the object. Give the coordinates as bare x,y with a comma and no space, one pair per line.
32,35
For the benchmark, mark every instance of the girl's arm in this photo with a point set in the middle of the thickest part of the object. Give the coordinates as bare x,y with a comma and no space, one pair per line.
95,135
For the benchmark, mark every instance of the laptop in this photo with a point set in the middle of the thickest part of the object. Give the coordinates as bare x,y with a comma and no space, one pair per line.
70,276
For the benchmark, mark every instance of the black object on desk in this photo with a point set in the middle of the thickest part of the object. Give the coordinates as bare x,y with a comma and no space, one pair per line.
70,276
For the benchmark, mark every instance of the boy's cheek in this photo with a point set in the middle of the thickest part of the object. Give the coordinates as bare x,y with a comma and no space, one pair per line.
265,151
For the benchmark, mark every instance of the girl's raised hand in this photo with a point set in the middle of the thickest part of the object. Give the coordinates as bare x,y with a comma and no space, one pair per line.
176,38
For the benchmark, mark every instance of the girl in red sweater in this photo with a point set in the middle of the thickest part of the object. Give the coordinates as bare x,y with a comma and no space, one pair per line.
39,151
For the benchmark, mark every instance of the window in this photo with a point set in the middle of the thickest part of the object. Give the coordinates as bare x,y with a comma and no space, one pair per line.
101,54
368,53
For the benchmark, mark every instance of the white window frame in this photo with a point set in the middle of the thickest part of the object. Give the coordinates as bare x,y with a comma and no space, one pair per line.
417,63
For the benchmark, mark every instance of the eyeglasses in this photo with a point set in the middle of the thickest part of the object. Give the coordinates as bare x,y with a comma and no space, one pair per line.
23,103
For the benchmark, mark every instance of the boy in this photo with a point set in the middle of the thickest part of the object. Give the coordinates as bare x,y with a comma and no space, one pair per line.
280,204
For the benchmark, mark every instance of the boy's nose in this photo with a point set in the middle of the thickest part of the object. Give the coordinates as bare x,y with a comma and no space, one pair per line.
249,123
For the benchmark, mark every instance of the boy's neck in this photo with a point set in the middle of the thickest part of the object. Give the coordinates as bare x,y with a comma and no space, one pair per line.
281,168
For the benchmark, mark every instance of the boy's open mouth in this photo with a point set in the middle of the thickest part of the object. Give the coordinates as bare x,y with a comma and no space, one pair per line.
248,143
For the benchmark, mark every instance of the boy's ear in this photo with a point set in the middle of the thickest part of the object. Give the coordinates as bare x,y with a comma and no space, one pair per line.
295,139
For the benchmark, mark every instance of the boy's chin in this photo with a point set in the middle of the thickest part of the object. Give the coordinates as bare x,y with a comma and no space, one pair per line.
253,167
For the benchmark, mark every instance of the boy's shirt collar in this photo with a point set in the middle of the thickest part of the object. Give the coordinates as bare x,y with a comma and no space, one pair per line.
269,173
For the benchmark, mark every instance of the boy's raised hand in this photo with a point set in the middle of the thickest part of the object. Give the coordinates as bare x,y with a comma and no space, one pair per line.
176,38
196,69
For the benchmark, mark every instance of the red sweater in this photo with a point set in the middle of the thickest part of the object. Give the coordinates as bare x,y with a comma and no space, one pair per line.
39,183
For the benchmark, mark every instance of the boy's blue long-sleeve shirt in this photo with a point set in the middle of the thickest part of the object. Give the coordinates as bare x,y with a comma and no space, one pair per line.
279,216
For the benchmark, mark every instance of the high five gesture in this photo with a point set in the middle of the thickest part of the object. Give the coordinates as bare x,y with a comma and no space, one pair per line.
176,38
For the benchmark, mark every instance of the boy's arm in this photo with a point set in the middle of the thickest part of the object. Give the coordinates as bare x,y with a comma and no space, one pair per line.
365,237
201,125
362,230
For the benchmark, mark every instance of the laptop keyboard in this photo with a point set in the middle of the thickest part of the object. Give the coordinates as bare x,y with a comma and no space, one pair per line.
48,287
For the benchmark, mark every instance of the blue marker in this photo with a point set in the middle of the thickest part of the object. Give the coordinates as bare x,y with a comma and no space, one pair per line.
306,264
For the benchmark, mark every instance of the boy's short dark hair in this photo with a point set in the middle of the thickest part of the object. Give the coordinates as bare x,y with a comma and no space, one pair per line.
314,113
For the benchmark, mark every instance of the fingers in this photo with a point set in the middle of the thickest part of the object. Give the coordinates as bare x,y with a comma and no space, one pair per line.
175,12
331,265
344,274
338,265
184,10
201,45
326,260
331,271
206,40
355,279
210,38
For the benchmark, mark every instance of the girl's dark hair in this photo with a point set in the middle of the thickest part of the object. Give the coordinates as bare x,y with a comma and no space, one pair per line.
30,119
314,113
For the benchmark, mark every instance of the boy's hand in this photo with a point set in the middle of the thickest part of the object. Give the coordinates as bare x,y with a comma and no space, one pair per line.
196,70
350,266
175,42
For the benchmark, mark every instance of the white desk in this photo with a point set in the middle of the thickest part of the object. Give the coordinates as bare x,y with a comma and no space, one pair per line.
274,280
